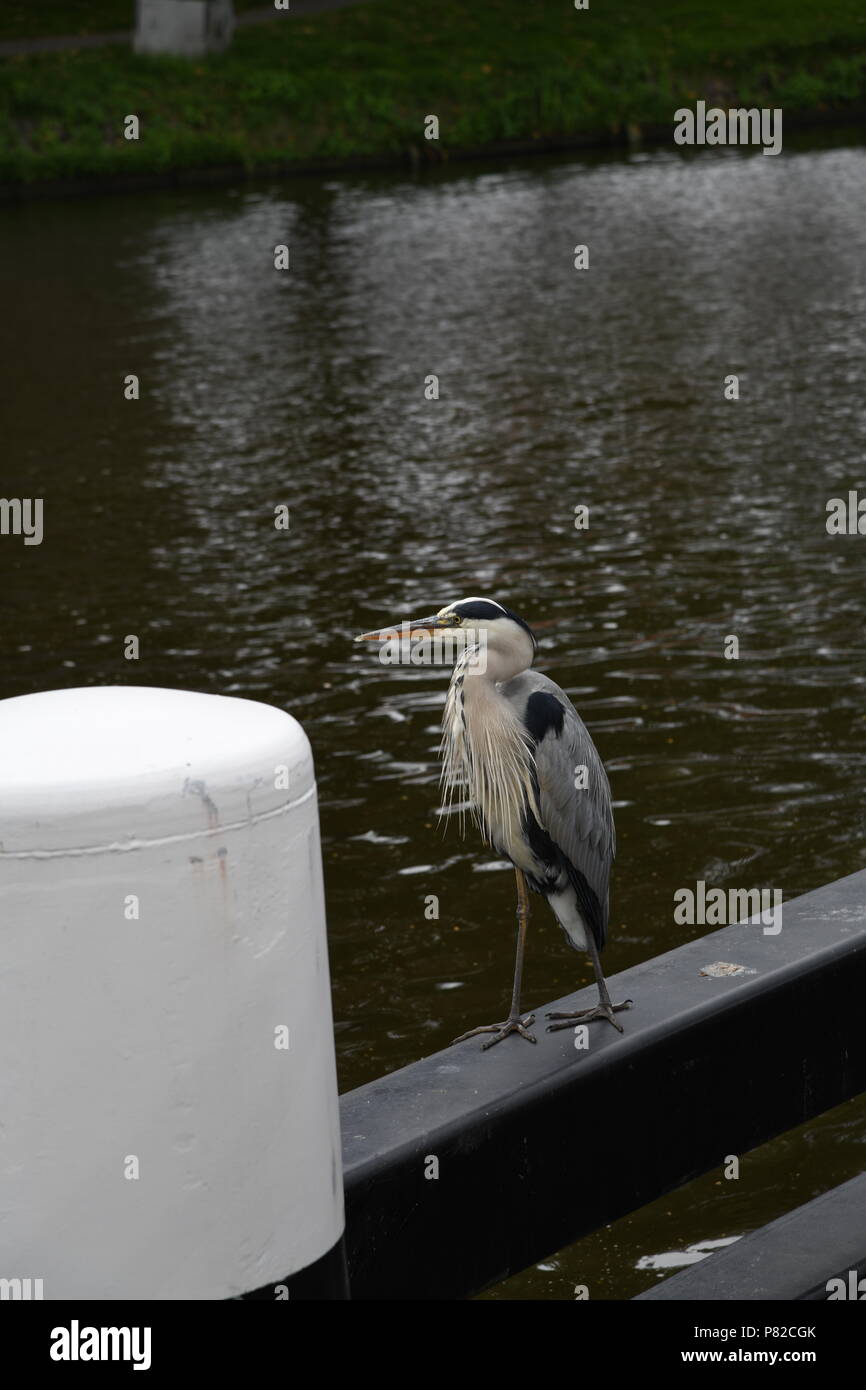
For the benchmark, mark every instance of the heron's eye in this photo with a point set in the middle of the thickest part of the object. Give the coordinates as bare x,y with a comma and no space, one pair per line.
456,619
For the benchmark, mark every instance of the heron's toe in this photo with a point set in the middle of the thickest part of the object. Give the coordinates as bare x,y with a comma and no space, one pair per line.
500,1031
587,1015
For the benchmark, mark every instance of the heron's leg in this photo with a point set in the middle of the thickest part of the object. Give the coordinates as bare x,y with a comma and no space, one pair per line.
603,1009
514,1023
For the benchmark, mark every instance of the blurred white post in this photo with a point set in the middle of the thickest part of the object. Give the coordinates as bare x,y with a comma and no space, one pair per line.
168,1102
187,28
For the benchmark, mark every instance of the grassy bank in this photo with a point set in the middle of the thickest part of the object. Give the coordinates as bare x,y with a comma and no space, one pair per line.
358,82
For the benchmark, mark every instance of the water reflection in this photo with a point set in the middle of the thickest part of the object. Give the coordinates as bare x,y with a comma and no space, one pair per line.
557,388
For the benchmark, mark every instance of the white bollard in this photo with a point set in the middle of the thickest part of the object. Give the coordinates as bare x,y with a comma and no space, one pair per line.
186,28
168,1103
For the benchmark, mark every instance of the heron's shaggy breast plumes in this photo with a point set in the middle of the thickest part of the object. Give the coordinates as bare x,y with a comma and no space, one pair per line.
486,756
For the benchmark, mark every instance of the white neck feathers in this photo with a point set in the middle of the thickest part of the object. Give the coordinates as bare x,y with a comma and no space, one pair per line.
485,754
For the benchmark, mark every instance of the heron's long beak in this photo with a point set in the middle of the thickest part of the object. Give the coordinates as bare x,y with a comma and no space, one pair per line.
411,627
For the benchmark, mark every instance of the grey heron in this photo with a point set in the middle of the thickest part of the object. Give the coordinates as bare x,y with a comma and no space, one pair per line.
513,742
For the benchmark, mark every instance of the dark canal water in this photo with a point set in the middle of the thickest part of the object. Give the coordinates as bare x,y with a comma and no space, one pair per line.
557,388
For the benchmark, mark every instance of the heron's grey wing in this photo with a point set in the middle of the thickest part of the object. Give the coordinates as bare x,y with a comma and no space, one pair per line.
579,820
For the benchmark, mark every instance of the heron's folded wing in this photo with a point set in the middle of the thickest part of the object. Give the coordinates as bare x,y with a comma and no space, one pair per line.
577,817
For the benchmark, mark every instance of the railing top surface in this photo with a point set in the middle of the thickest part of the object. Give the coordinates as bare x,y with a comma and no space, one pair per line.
670,995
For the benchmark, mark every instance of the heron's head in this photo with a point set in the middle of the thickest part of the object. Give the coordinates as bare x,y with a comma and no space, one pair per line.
507,641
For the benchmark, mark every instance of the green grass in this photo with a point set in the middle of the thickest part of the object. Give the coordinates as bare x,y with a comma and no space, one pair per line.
359,82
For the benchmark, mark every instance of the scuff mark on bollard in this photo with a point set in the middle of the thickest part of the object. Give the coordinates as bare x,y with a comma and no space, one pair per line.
198,788
721,968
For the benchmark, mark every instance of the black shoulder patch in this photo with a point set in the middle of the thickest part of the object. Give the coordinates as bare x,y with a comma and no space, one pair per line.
543,713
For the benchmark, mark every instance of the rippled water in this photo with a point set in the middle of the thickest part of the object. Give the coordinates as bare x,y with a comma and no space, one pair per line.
558,387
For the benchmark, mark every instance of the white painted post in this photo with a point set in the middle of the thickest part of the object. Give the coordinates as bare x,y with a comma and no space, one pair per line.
187,28
168,1103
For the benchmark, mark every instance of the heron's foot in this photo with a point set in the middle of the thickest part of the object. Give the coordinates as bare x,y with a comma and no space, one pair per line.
501,1030
587,1015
